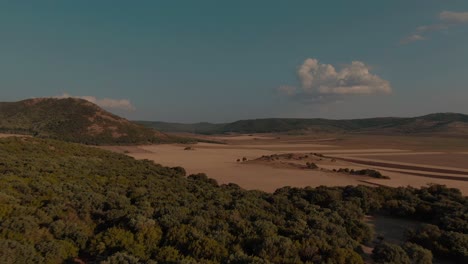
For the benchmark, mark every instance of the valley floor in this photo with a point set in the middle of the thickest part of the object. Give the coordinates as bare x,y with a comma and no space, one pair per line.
414,161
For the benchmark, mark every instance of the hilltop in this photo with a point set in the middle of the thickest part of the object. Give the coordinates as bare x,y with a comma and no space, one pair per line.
439,123
74,120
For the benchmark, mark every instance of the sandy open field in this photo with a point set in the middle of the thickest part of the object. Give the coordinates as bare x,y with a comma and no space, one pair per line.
7,135
407,161
12,135
454,160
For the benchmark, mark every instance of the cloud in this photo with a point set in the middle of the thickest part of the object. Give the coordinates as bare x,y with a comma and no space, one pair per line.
428,28
323,83
454,17
120,104
412,38
447,19
356,78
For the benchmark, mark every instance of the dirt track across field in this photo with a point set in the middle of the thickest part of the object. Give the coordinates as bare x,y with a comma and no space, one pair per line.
402,166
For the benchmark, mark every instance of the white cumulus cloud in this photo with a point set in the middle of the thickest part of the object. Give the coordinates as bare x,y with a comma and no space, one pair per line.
318,78
109,103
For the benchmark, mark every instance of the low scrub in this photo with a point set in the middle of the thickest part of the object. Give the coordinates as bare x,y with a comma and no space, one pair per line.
364,172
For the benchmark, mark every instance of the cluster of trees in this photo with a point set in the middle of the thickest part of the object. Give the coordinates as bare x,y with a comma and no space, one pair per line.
363,172
67,202
407,254
311,165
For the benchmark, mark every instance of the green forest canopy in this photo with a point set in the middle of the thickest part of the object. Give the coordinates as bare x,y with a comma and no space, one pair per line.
67,202
434,124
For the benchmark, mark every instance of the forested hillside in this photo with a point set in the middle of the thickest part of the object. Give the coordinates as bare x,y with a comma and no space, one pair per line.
67,202
441,123
74,120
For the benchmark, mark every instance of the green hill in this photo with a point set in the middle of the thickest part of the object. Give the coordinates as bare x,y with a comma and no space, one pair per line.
442,123
74,120
197,128
68,203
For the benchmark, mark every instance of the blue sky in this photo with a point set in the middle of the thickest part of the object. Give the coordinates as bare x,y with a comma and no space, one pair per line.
217,61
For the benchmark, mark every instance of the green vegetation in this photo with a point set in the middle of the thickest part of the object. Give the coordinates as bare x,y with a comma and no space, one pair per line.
75,120
63,202
197,128
311,165
364,172
442,123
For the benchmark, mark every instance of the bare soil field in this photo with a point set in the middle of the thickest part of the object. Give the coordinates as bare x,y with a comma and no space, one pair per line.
426,160
221,164
455,160
5,135
402,166
12,135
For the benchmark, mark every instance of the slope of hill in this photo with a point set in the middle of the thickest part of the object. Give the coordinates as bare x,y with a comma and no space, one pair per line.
71,203
74,120
441,123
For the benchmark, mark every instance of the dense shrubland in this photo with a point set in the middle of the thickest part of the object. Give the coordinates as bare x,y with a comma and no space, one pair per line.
66,202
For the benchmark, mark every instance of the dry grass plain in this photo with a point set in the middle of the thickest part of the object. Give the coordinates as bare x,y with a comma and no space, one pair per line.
414,161
12,135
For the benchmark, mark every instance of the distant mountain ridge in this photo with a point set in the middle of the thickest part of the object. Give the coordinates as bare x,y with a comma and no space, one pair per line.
74,120
439,123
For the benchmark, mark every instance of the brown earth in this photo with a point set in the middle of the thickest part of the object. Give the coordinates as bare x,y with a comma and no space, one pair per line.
455,160
11,135
219,161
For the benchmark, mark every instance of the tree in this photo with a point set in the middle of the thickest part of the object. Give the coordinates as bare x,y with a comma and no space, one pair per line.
112,240
390,253
121,258
14,252
346,256
418,254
